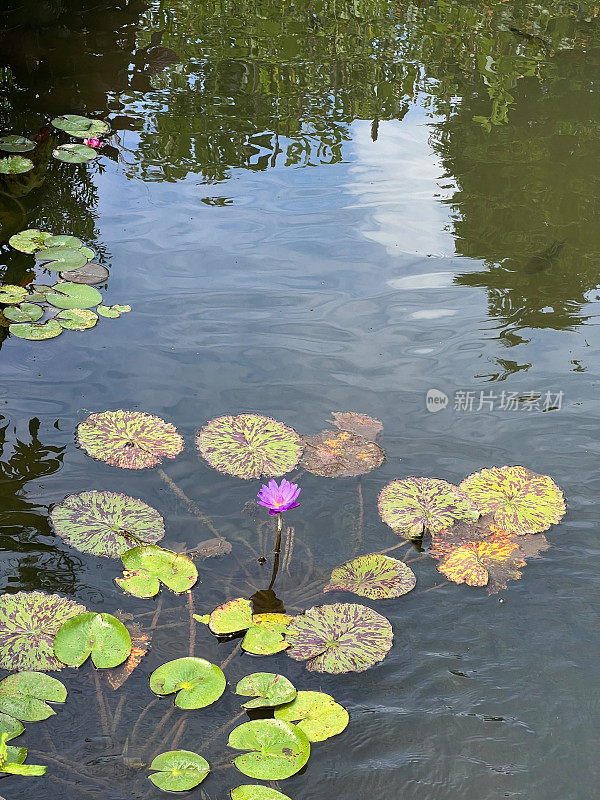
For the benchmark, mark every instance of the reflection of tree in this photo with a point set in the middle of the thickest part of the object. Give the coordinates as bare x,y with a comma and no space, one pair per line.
24,526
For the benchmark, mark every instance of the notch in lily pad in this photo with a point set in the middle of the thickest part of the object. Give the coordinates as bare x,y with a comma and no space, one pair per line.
148,566
80,127
178,770
198,683
25,695
277,749
101,636
16,144
36,332
231,617
64,257
268,689
265,636
315,713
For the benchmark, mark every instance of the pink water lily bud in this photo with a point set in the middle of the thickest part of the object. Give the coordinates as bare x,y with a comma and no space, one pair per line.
93,142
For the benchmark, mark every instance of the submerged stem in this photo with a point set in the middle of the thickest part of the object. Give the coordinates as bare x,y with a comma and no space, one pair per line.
192,623
191,506
360,518
102,709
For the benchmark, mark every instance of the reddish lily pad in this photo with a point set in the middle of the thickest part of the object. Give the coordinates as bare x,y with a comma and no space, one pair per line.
374,576
343,637
360,424
249,446
140,644
316,713
88,274
340,454
413,505
128,439
520,501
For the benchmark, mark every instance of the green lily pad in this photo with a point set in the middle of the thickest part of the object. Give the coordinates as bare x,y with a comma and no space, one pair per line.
10,726
343,637
11,294
320,717
26,312
80,127
279,749
64,240
231,617
128,439
269,689
106,523
414,505
12,758
25,695
198,683
77,319
74,295
148,566
520,501
36,332
249,446
89,274
179,770
74,153
256,792
16,144
63,258
112,312
28,624
265,636
15,165
38,293
101,636
374,576
30,240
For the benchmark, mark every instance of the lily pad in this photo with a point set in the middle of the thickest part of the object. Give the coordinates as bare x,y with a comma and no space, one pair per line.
26,312
74,295
77,319
148,566
343,637
38,293
112,312
361,424
11,294
101,636
62,258
16,144
231,617
36,332
256,792
316,713
10,726
15,165
80,127
28,624
30,240
249,446
12,758
340,454
413,505
179,770
519,500
106,523
198,683
265,636
279,749
268,689
88,274
74,153
64,240
25,695
374,576
128,439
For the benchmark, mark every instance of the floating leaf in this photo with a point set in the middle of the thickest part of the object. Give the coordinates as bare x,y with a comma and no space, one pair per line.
265,636
36,332
520,501
256,792
249,446
16,144
320,717
106,523
28,624
10,726
11,760
25,695
74,295
112,312
412,505
128,439
61,258
77,319
361,424
147,566
340,454
231,617
198,683
140,644
26,312
11,294
64,240
81,127
30,240
15,165
279,749
74,153
179,770
38,293
101,636
88,274
375,576
267,688
343,637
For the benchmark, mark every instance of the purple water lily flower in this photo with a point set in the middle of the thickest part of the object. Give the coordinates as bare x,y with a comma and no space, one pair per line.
279,498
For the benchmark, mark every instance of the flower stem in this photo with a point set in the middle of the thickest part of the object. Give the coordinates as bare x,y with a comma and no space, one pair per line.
277,550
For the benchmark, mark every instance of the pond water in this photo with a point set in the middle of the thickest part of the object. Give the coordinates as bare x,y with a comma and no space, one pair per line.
314,207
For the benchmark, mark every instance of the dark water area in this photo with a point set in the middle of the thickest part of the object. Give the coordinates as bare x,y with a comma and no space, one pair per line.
315,207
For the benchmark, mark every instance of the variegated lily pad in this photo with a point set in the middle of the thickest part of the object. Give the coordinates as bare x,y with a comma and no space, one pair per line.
113,312
360,424
15,165
249,446
519,500
197,682
412,506
101,636
77,319
11,294
80,127
278,749
16,144
148,566
340,454
265,637
106,523
374,576
29,622
343,637
128,439
30,240
25,695
315,713
231,617
267,688
36,332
